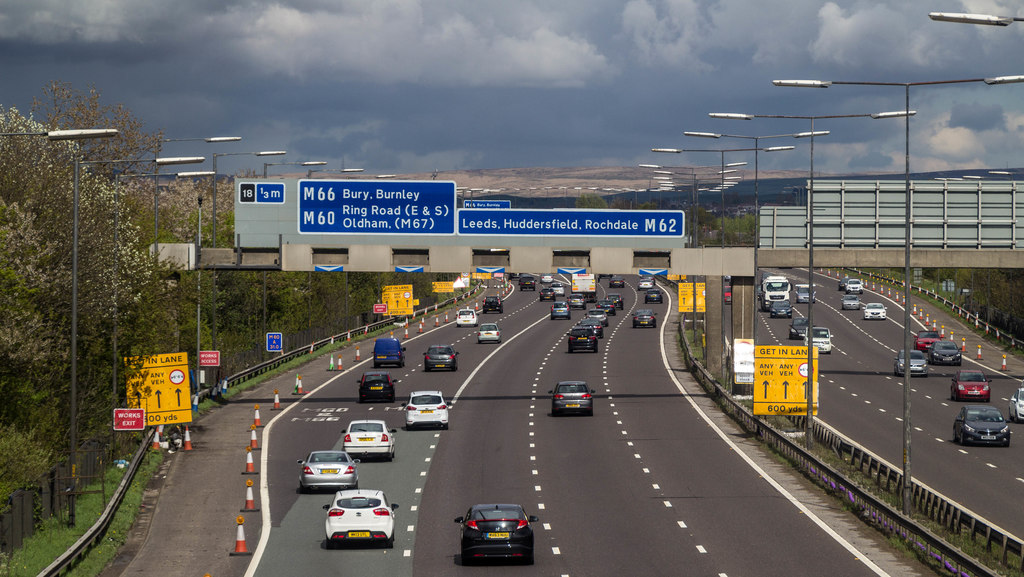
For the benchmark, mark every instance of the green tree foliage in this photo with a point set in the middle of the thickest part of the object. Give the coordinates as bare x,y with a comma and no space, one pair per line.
588,200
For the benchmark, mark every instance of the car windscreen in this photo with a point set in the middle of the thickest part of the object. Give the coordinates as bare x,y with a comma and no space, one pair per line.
375,379
821,333
928,335
987,415
945,345
776,286
972,376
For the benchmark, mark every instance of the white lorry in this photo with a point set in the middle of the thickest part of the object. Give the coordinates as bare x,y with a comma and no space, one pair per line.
774,288
586,285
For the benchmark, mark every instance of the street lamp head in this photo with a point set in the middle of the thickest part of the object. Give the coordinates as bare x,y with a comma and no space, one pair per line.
313,163
675,150
649,165
803,83
736,164
196,174
271,153
167,160
778,148
811,134
223,139
81,134
703,134
894,114
985,19
731,115
1005,79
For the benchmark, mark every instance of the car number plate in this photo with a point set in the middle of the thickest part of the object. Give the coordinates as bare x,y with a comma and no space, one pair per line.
500,535
427,411
572,405
329,471
377,388
359,534
988,437
382,356
366,439
973,392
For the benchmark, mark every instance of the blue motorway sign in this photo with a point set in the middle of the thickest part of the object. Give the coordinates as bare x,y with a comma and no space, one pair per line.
274,343
486,204
408,269
543,222
261,192
376,207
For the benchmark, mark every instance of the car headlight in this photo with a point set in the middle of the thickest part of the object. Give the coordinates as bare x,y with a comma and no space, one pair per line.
968,428
1005,429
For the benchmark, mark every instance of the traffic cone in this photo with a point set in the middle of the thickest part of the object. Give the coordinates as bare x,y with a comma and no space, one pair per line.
339,362
332,339
250,467
310,348
979,352
240,547
421,327
357,353
250,503
256,418
277,401
348,336
437,322
446,317
406,331
1004,362
252,440
298,386
330,364
156,438
188,440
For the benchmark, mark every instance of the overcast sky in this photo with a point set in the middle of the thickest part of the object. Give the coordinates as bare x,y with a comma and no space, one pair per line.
406,86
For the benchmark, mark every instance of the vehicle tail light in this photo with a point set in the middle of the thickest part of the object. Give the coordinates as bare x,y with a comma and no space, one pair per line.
442,407
384,438
472,525
559,397
522,524
451,357
350,470
586,395
335,512
410,408
382,512
307,471
348,438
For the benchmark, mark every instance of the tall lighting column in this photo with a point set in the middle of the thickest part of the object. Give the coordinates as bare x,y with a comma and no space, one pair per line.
908,238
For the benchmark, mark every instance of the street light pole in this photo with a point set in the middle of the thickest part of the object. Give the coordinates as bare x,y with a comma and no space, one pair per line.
908,238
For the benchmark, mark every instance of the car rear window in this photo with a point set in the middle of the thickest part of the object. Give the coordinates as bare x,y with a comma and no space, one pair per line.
439,350
497,514
358,503
572,388
369,379
366,428
333,457
426,400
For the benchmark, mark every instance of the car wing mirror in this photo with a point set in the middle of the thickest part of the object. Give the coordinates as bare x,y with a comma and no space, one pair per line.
300,461
459,519
327,506
392,430
533,518
394,506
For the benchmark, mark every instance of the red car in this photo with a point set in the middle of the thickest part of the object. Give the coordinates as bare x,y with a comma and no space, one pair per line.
970,384
924,339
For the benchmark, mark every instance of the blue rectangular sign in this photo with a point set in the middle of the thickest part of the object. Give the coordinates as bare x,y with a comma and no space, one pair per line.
542,222
274,343
376,207
261,192
486,204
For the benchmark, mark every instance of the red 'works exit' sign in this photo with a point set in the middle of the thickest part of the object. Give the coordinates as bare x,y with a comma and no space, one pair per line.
380,308
129,419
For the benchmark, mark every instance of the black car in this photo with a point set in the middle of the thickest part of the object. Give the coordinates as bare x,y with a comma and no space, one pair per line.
582,339
944,353
608,306
782,309
798,328
617,282
644,318
440,357
493,303
527,282
981,424
547,294
653,296
597,324
376,386
497,531
617,299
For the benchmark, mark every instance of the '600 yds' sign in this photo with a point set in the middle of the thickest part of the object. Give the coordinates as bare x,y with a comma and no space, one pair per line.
376,207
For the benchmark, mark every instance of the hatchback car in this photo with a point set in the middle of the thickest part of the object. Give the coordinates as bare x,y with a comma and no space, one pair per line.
980,424
851,302
527,282
1016,406
441,357
617,282
598,314
798,328
572,397
822,338
874,312
360,517
496,531
944,353
653,296
644,318
546,294
488,333
559,288
803,294
577,301
327,469
426,409
582,339
593,324
377,386
645,283
493,303
616,299
924,339
854,286
366,437
781,309
546,279
466,318
608,306
560,310
969,384
843,282
918,364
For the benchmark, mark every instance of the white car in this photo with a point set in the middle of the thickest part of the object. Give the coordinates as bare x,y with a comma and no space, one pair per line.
370,437
874,311
426,409
598,314
1017,406
645,283
546,279
854,286
488,333
360,516
559,288
822,339
466,318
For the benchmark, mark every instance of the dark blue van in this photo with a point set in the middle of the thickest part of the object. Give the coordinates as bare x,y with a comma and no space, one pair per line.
388,351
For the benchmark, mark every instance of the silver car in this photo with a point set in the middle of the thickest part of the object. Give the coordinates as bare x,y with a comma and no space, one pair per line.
918,364
328,469
599,315
1017,406
851,302
572,397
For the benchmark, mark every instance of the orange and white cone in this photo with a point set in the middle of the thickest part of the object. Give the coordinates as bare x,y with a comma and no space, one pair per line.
979,352
348,336
446,317
357,353
277,401
156,437
437,322
1004,362
250,467
250,503
256,418
188,441
298,386
240,546
252,440
421,327
339,363
406,331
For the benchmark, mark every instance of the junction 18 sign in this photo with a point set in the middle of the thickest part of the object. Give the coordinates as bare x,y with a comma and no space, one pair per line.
376,207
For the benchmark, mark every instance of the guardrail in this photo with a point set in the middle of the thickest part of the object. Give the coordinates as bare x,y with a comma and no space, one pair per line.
872,510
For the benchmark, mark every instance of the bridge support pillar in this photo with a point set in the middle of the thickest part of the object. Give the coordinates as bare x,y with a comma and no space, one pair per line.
715,326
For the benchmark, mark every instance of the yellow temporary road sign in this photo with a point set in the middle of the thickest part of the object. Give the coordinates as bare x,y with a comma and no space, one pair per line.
444,286
686,297
398,298
481,275
160,384
677,277
780,380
